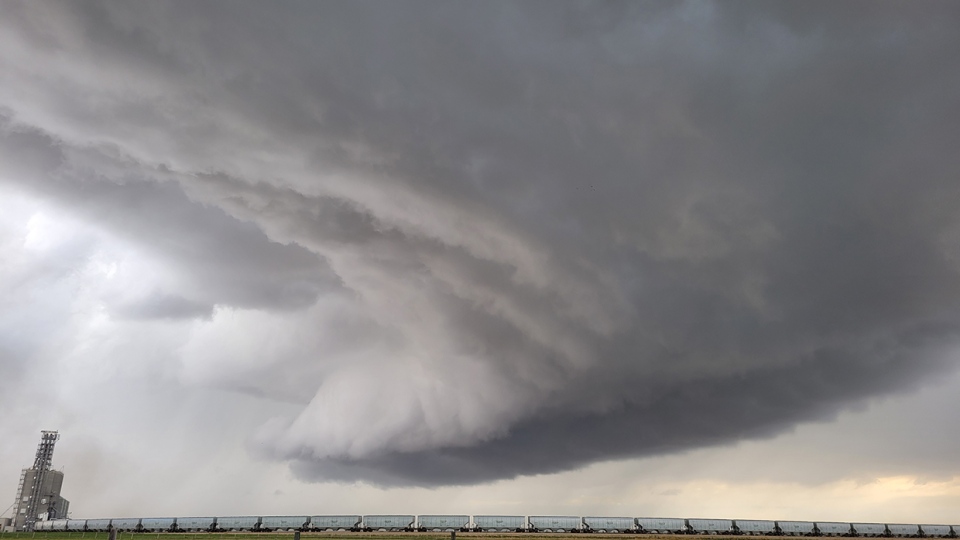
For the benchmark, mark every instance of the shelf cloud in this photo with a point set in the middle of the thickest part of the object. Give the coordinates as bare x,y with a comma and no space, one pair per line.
469,242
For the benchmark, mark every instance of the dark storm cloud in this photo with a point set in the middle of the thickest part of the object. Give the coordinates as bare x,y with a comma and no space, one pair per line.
569,232
716,411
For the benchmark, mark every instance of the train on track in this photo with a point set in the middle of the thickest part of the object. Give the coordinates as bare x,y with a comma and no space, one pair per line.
488,523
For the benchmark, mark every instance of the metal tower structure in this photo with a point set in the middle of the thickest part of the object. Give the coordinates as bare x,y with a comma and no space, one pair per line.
44,459
32,481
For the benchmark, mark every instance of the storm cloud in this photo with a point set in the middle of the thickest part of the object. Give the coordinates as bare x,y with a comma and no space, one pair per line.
472,241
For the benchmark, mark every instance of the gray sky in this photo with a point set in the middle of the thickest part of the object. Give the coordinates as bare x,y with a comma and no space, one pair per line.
683,259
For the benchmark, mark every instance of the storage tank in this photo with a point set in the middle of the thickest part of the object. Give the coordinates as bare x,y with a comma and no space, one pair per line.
662,525
335,523
710,526
195,524
500,523
125,524
237,523
902,530
554,523
833,528
388,522
796,528
283,523
157,524
609,524
869,529
442,523
755,526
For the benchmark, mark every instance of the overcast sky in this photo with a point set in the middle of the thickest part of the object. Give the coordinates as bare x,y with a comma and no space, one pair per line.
686,259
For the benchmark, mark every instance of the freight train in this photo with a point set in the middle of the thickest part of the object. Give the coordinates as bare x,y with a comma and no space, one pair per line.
486,523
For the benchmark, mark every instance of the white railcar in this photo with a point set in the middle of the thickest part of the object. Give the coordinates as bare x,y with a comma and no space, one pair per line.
903,531
76,524
195,524
936,531
662,525
710,526
157,524
443,523
755,526
125,524
554,523
500,523
42,525
797,528
283,523
389,522
335,523
869,529
238,523
98,525
833,528
609,524
58,524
